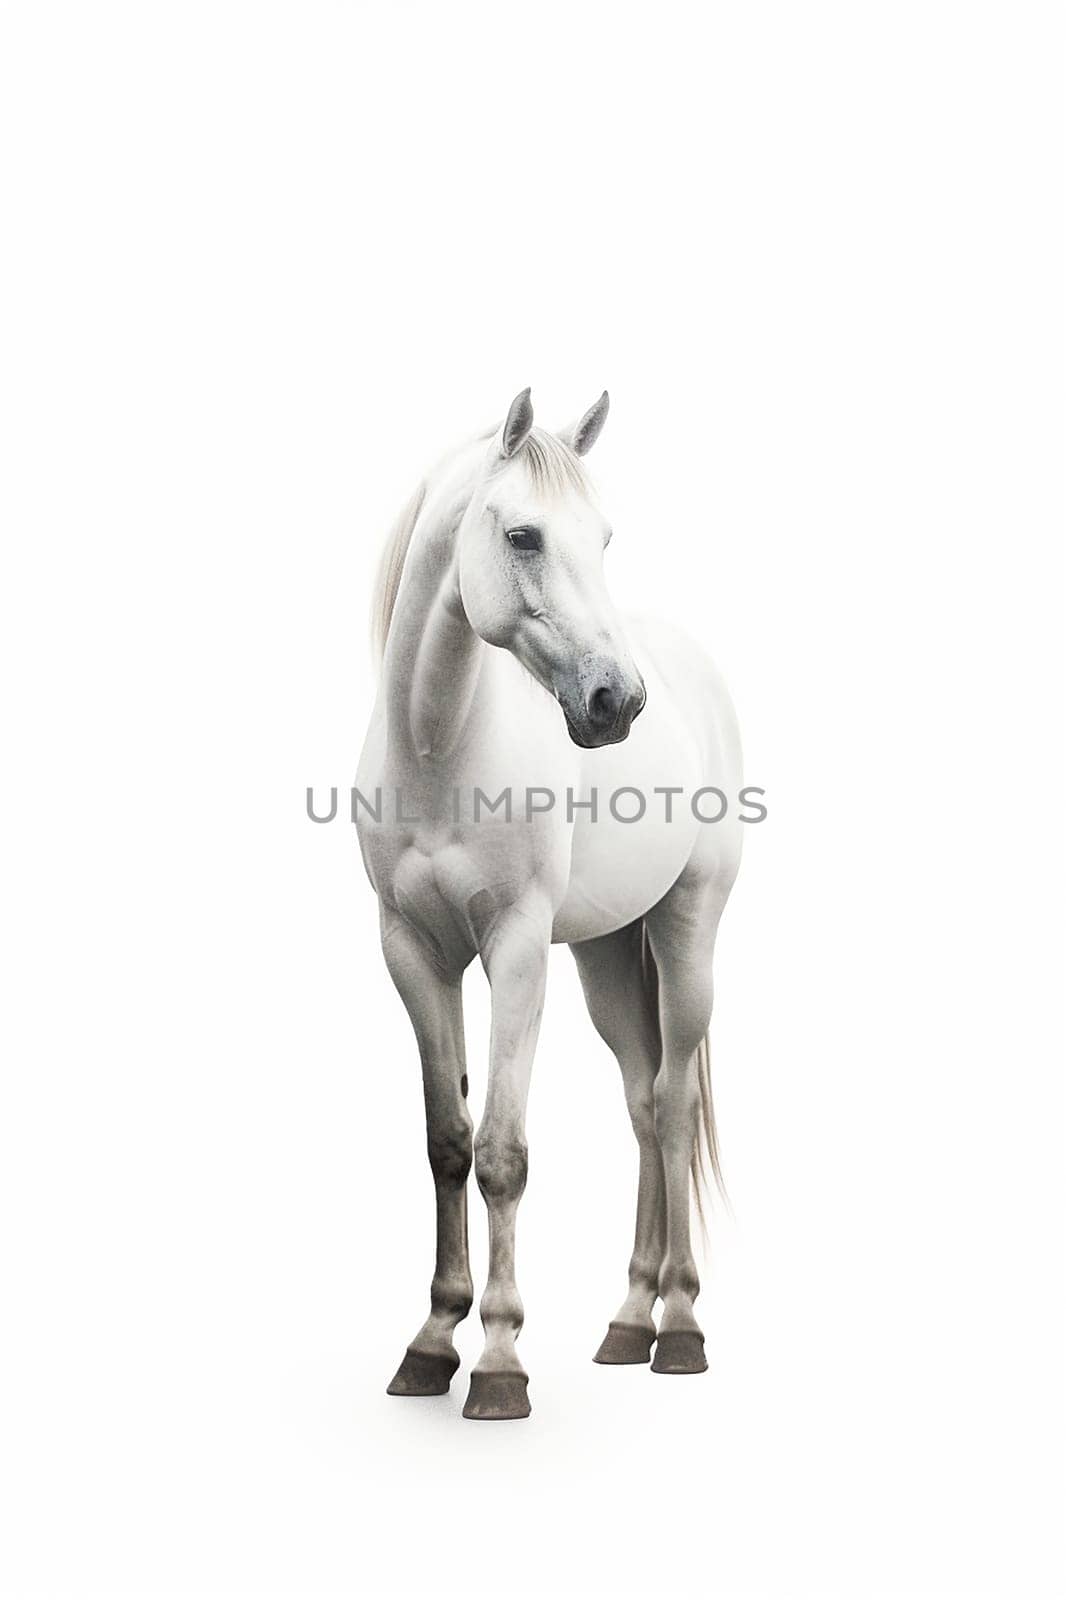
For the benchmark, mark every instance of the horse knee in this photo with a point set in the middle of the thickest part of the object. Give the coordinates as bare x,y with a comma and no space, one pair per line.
501,1165
451,1153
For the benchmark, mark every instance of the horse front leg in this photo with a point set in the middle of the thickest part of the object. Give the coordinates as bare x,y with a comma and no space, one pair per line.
435,1005
515,957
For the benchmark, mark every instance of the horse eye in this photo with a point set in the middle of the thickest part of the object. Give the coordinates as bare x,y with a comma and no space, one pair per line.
525,538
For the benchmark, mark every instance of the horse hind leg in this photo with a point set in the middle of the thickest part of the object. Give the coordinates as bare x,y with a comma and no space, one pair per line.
620,990
681,932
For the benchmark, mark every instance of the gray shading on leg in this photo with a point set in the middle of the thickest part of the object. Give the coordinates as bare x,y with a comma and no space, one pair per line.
620,990
434,1003
515,956
681,932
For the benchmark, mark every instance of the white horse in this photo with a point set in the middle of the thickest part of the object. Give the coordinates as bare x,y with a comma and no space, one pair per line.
493,618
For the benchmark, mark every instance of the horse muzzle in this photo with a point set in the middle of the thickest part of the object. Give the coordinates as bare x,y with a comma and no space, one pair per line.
604,714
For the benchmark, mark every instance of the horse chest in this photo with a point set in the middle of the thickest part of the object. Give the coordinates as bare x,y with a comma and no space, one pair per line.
453,883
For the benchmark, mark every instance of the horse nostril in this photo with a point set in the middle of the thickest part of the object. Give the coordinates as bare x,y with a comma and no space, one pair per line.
603,706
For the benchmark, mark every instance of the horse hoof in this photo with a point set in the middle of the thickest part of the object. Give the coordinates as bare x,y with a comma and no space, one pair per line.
681,1351
497,1396
625,1345
422,1374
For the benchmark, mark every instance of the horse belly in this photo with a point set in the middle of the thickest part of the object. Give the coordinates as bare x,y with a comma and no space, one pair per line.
613,884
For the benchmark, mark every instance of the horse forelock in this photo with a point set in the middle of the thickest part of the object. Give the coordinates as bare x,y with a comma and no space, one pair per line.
552,465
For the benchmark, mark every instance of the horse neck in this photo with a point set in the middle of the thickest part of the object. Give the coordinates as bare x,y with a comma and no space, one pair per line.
432,655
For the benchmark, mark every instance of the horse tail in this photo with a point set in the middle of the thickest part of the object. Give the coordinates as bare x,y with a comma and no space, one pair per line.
705,1147
706,1165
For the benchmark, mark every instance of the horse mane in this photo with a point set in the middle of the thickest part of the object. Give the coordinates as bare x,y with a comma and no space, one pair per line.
553,468
390,568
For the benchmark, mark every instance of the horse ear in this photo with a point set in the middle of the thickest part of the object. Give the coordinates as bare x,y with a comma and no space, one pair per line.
581,436
515,430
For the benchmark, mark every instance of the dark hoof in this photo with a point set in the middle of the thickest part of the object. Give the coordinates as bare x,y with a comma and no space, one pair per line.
497,1396
626,1345
680,1352
424,1374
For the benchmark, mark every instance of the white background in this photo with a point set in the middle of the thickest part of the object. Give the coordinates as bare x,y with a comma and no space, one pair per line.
262,264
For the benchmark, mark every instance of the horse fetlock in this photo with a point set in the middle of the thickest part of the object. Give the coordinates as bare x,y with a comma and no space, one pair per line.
501,1308
679,1282
644,1273
451,1297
